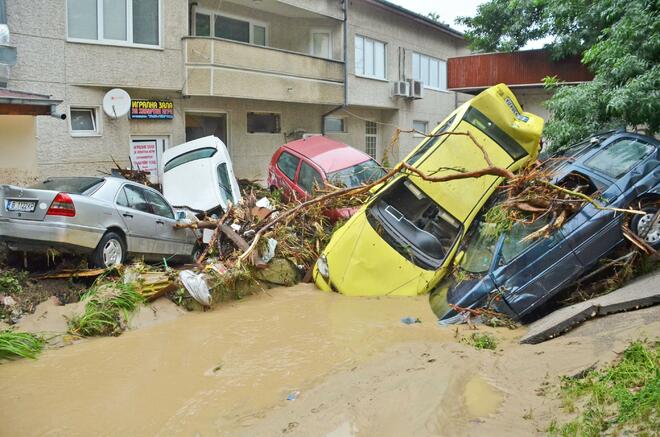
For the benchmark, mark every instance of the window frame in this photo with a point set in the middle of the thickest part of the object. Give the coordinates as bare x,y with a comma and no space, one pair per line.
426,129
344,123
368,135
212,13
364,75
279,122
96,120
157,195
295,173
129,28
430,58
320,30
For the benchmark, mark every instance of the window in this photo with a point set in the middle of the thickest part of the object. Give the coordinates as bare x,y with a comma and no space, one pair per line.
616,159
115,21
334,124
309,179
371,135
420,128
135,198
431,141
288,164
414,225
263,122
193,155
481,122
234,28
224,182
359,174
432,72
83,121
321,44
158,205
369,57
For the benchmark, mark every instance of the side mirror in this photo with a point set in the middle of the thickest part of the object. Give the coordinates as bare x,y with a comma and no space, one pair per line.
459,257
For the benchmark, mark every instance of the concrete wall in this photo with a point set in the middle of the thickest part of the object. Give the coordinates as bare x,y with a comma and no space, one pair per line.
533,100
18,149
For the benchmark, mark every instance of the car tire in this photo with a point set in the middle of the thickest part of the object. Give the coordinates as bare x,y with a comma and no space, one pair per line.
640,225
110,251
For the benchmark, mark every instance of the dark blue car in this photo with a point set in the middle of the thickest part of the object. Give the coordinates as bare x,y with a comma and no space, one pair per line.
516,276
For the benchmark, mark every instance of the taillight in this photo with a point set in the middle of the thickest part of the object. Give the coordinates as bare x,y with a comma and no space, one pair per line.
62,205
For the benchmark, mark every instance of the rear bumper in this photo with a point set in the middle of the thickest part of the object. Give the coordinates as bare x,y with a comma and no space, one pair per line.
29,236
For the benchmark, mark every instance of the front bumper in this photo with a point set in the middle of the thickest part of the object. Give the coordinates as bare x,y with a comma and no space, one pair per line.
32,235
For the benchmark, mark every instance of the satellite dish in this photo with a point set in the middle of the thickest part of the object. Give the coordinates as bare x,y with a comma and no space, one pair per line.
116,103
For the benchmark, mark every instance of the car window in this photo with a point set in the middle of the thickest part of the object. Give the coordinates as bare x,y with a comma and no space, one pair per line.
159,205
288,164
75,185
516,240
309,179
193,155
480,248
360,174
134,197
224,182
618,158
414,225
484,124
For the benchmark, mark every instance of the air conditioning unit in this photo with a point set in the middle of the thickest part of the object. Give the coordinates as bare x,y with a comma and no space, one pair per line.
401,89
416,89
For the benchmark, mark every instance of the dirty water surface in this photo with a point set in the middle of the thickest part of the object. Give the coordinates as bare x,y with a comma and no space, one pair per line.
204,372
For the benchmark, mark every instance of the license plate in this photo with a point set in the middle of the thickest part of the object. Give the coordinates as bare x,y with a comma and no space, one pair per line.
21,205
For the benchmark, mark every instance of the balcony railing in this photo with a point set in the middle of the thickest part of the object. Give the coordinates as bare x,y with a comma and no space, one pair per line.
224,68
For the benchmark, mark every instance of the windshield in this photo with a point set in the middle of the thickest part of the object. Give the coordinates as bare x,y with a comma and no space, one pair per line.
193,155
414,225
360,174
480,249
68,185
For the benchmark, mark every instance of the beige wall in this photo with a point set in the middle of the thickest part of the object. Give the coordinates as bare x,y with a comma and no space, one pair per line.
18,149
80,74
533,100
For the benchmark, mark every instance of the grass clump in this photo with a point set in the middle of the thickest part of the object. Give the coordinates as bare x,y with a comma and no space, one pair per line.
20,345
481,341
622,398
107,308
12,281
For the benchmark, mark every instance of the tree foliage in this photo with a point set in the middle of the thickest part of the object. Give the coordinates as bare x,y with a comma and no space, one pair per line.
619,40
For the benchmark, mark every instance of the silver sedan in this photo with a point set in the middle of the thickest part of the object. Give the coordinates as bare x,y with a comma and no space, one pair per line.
106,218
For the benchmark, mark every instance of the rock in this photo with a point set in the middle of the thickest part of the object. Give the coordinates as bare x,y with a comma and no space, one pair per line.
280,271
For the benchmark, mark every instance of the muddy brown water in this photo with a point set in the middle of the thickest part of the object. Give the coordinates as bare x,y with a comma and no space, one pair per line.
206,372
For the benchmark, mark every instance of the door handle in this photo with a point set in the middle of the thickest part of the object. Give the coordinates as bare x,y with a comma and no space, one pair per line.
160,222
127,215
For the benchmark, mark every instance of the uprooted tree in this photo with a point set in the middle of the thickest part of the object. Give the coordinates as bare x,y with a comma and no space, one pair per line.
619,40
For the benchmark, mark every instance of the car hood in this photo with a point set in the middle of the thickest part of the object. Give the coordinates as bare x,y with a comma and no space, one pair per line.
361,263
469,293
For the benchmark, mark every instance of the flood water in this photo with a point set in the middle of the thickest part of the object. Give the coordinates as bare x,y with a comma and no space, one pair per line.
204,373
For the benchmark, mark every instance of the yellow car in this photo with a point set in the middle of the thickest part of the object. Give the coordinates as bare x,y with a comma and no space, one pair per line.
402,240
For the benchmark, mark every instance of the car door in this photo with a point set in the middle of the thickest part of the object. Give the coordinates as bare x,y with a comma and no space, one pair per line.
135,210
531,271
168,239
309,180
288,164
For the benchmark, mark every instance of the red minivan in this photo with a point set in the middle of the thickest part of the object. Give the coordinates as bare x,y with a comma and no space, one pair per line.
297,167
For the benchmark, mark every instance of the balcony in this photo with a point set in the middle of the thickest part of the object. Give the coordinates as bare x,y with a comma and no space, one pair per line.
224,68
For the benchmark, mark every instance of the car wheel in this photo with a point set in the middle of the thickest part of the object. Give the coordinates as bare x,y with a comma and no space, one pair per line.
647,227
110,251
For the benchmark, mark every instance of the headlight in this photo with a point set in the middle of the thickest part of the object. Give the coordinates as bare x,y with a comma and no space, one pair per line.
322,266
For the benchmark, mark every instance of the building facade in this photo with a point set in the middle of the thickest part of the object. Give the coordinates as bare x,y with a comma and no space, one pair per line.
256,73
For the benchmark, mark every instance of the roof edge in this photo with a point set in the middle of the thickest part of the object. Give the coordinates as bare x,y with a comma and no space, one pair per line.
419,17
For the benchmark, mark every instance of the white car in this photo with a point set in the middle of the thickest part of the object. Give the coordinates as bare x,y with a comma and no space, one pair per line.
198,175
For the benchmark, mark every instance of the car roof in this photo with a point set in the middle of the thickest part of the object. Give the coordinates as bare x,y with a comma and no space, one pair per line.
328,154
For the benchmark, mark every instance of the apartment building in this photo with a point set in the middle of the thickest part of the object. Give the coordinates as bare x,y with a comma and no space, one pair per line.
256,73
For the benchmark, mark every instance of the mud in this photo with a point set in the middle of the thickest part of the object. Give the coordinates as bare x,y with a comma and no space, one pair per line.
357,368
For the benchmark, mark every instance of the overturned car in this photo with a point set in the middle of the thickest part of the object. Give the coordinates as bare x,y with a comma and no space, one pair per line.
514,274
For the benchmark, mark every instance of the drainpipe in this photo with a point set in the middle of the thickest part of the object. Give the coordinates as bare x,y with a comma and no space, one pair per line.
344,8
